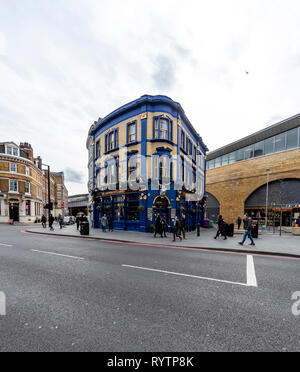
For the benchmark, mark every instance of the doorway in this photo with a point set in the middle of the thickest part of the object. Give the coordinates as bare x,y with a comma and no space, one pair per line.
14,211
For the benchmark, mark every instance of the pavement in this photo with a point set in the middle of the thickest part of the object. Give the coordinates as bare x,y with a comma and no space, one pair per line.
267,243
66,294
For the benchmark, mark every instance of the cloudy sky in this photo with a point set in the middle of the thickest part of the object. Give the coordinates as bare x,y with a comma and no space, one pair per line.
64,63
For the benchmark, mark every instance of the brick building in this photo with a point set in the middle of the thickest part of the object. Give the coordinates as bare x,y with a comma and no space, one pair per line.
259,174
24,185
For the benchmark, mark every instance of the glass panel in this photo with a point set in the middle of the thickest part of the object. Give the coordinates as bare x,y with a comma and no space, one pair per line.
249,152
269,145
240,155
232,157
164,124
292,138
280,142
225,159
218,162
259,149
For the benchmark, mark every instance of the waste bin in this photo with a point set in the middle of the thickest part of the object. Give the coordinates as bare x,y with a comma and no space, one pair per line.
212,223
84,228
230,230
255,231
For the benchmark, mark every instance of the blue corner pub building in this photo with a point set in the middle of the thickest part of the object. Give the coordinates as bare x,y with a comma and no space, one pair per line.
139,142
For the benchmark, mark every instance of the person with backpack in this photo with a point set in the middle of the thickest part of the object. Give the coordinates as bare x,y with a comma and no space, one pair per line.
248,232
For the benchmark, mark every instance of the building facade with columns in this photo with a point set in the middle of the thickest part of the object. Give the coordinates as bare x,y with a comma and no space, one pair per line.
148,160
21,183
258,175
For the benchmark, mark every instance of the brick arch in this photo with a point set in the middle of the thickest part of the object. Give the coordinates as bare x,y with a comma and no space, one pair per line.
273,178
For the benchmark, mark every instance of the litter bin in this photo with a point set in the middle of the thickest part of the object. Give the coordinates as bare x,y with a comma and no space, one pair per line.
230,230
84,228
212,223
255,231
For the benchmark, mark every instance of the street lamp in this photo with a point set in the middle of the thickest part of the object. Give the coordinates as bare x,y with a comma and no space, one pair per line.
267,198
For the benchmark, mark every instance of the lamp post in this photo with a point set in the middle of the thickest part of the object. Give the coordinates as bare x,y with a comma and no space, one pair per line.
267,198
49,191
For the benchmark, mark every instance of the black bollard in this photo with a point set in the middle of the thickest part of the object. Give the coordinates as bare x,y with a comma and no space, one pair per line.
198,229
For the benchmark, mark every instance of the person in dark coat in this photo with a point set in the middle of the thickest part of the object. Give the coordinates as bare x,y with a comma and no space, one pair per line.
51,222
164,226
248,232
239,222
183,225
221,228
110,224
78,220
176,227
44,221
157,226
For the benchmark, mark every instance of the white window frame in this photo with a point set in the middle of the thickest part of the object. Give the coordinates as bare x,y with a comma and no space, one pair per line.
15,183
29,188
13,165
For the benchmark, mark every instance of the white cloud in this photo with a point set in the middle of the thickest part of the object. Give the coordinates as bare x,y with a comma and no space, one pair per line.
2,44
70,62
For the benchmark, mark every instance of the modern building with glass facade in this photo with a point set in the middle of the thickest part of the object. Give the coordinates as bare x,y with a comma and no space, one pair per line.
148,160
259,174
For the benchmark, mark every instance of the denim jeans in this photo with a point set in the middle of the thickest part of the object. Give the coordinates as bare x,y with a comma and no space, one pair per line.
248,235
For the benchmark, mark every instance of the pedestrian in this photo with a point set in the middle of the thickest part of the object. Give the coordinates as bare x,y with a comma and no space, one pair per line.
298,221
239,222
157,225
221,228
60,221
248,232
51,221
164,226
176,229
44,221
104,222
183,225
110,223
245,218
78,222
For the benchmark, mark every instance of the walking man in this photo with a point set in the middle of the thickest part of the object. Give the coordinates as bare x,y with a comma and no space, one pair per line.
221,228
248,232
158,226
51,221
239,222
164,227
176,229
44,220
183,225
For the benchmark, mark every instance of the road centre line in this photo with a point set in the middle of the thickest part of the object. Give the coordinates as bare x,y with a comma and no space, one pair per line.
6,245
188,275
57,254
251,276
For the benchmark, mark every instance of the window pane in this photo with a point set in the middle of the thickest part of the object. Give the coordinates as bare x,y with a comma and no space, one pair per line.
164,129
240,154
292,138
225,159
269,145
249,152
232,157
218,162
280,142
259,149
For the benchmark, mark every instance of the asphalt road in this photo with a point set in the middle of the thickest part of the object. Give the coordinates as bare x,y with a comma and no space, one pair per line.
65,294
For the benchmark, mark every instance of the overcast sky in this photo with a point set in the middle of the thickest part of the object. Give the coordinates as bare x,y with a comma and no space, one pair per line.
65,63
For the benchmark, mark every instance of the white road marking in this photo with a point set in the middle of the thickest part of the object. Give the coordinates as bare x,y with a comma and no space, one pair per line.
187,275
251,277
6,245
58,254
